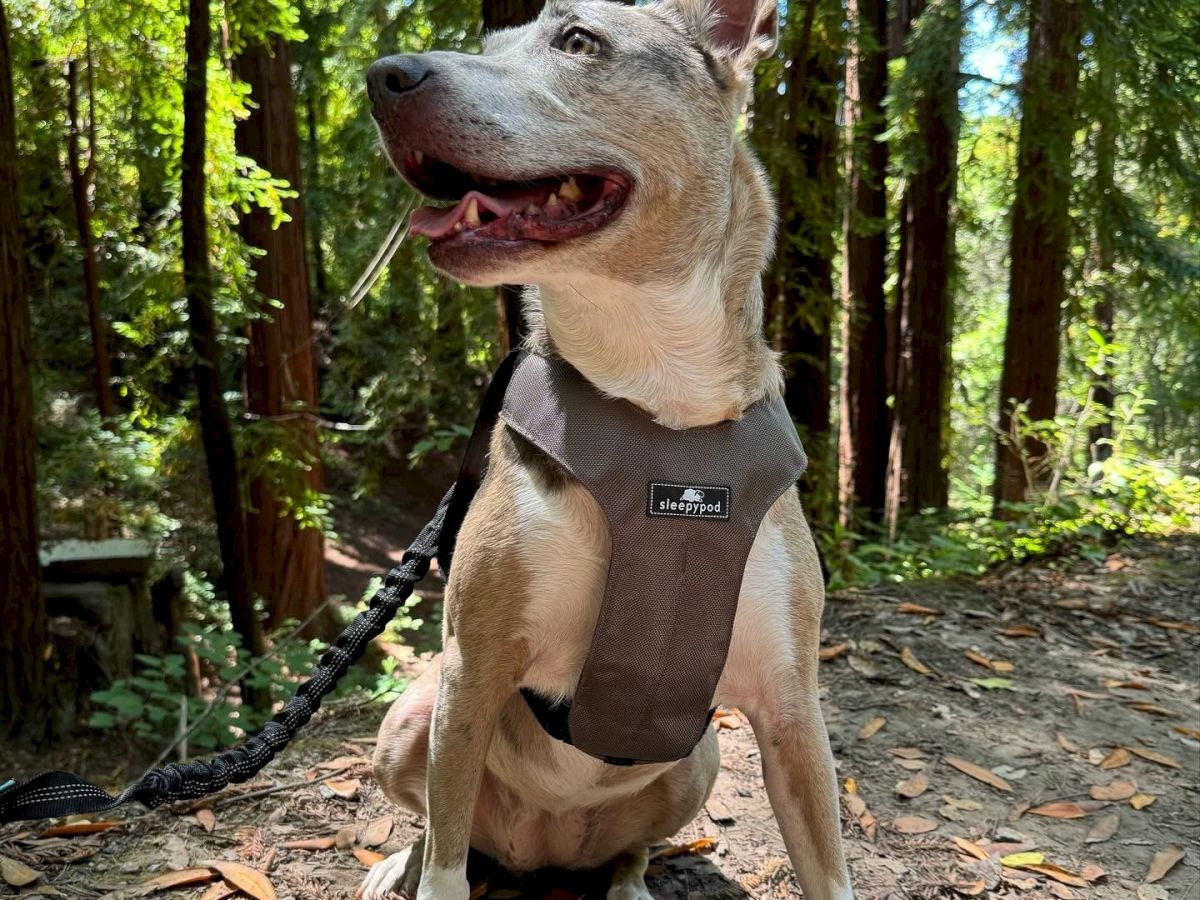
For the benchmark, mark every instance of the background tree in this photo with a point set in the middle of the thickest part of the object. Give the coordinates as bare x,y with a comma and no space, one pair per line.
23,674
927,94
1040,241
215,429
864,411
795,131
286,548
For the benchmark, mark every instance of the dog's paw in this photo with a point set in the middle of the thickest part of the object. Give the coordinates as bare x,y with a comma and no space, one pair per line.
387,879
629,890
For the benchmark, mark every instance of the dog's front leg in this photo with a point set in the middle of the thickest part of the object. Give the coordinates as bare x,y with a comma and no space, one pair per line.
802,787
469,699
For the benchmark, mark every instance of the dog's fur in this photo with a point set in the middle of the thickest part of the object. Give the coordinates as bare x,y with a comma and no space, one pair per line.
663,307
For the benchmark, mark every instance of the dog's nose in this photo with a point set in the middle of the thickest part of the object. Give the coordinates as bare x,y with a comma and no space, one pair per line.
392,77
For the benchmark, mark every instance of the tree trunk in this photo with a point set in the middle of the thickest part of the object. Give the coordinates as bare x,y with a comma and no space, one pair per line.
1040,240
287,556
215,430
314,222
82,177
1104,254
510,324
865,418
798,287
916,470
24,636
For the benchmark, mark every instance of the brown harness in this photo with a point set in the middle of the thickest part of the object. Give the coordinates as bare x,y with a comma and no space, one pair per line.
683,507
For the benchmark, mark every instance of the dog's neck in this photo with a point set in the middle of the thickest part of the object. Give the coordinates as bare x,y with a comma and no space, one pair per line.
687,349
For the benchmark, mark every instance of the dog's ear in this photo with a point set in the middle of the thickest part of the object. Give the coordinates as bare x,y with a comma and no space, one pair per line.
741,31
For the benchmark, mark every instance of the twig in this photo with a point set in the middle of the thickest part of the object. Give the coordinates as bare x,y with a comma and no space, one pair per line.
275,789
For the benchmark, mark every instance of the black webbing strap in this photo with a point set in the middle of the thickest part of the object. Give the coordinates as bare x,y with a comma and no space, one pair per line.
54,794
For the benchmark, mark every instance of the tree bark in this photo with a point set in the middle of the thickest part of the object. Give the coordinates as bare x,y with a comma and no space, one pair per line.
24,636
917,475
798,286
82,178
287,556
865,417
1040,240
215,429
1105,256
510,323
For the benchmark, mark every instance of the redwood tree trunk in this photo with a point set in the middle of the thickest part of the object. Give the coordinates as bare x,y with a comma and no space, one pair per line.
287,557
798,287
1104,254
24,634
215,430
510,324
917,473
82,176
1040,237
865,417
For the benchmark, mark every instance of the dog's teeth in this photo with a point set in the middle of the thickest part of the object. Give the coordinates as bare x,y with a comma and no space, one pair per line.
552,202
532,209
570,190
458,226
472,215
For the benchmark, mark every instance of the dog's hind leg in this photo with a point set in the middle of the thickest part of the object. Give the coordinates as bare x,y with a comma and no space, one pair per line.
399,873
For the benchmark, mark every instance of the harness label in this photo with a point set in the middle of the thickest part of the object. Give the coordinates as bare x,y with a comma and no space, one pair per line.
688,501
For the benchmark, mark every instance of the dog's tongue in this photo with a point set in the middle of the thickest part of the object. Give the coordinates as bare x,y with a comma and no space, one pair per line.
437,223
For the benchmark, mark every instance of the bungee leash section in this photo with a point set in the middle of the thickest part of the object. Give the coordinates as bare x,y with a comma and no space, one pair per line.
52,795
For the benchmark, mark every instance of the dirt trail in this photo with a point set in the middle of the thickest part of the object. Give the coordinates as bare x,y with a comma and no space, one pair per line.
1054,683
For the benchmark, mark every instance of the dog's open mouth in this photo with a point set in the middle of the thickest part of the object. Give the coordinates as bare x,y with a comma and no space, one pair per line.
547,210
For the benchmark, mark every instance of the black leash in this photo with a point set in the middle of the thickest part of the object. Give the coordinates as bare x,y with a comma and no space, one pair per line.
55,794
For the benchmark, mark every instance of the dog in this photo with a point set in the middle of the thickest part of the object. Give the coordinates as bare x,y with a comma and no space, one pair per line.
595,156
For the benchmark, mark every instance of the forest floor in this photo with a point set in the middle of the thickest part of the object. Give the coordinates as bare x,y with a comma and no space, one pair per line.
1031,734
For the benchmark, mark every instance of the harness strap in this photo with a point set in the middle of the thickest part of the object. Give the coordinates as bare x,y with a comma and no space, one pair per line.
55,794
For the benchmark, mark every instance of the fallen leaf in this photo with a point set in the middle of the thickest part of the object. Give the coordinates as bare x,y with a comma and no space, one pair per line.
913,787
1062,810
219,891
917,610
1118,790
700,845
180,878
321,843
75,828
1062,892
1117,758
1002,665
908,753
994,684
1155,710
969,848
368,857
850,785
1141,801
342,762
1104,828
16,873
1086,695
1152,892
863,666
971,888
207,819
1067,744
910,659
1058,874
1020,860
1020,631
1174,626
870,729
245,879
1192,733
979,773
1114,684
1161,758
978,658
827,654
346,837
347,789
1019,809
377,832
719,812
913,825
1164,861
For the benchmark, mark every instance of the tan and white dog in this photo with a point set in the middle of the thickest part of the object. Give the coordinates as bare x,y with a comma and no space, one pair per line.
595,155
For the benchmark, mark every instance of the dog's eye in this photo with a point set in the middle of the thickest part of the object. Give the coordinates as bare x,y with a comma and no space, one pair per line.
578,42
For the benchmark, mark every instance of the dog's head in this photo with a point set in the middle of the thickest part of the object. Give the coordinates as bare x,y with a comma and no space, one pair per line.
598,138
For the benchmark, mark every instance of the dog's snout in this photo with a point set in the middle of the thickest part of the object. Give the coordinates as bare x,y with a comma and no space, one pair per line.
392,77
